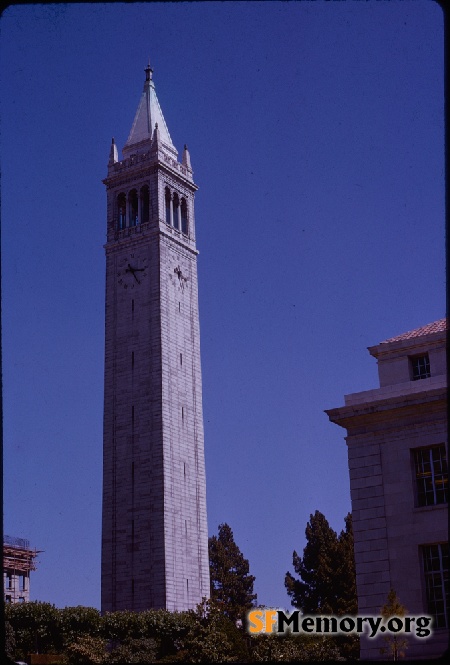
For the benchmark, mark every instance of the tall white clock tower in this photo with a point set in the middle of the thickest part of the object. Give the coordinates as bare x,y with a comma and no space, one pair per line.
154,531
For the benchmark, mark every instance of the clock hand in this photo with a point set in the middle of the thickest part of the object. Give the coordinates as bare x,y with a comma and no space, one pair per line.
134,275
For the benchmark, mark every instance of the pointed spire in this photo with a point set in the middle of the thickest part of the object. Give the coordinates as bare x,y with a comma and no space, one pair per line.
147,115
186,161
113,154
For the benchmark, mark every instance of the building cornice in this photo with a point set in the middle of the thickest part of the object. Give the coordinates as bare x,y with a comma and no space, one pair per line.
131,236
412,407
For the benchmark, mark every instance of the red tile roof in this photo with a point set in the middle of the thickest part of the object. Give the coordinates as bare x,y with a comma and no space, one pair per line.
436,326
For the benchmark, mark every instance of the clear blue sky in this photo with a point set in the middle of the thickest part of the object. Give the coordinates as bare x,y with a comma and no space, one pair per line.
316,133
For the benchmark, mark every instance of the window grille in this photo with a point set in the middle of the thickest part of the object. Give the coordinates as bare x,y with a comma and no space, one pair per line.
431,475
420,367
435,565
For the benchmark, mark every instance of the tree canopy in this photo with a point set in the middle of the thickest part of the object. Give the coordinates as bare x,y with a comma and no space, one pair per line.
327,583
395,645
231,582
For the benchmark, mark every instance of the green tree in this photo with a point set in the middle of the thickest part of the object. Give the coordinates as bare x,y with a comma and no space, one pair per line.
316,590
231,582
37,628
10,640
121,625
294,648
395,645
78,622
346,594
168,629
213,638
86,650
143,650
327,583
150,635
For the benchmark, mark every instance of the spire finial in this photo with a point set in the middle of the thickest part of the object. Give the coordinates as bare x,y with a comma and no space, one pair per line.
148,72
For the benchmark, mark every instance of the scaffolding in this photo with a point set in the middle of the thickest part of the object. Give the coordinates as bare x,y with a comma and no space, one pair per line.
18,561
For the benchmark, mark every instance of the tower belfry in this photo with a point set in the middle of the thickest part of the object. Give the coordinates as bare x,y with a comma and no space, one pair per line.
154,528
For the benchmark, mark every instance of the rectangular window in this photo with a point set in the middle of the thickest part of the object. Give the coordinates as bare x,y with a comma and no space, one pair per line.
431,475
7,600
420,367
22,583
435,566
8,581
21,599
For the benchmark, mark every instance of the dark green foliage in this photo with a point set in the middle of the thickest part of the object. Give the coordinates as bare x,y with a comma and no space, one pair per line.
213,638
82,637
169,629
293,649
10,640
165,629
37,628
122,625
327,583
143,650
231,583
346,574
79,621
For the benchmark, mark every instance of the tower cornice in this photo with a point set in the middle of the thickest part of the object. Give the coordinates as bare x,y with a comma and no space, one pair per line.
133,241
127,171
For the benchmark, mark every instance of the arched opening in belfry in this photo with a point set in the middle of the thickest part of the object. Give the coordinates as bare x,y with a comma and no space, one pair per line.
121,211
145,204
184,217
168,205
133,208
176,211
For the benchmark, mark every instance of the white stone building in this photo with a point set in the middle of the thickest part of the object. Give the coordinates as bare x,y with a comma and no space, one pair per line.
155,539
397,455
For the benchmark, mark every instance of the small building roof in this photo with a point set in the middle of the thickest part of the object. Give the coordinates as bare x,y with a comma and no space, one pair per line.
435,327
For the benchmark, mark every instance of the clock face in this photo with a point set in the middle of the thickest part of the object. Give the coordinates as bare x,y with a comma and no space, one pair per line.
132,270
